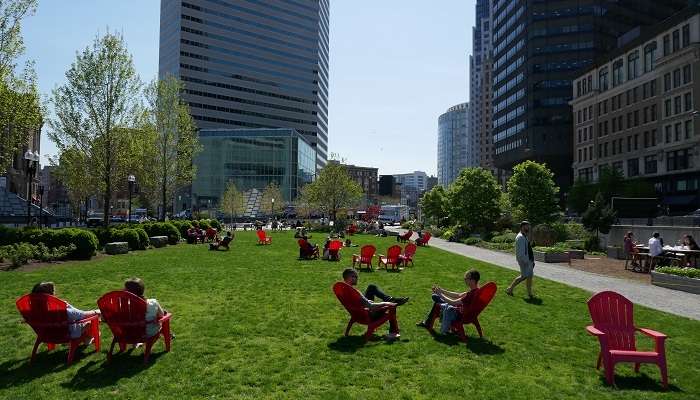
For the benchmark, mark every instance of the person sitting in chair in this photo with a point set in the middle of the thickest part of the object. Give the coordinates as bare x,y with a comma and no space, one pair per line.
306,249
74,314
376,309
450,305
153,309
222,243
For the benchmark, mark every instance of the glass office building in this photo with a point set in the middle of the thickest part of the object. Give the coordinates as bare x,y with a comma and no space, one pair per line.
251,63
252,158
453,147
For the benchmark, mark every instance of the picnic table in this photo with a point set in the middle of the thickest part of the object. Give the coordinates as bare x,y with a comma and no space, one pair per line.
682,253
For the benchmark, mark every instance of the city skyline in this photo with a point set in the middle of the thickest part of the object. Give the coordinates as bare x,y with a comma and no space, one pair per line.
400,114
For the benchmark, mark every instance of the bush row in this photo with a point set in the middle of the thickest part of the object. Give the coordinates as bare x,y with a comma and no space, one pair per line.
135,235
84,241
20,253
163,229
687,272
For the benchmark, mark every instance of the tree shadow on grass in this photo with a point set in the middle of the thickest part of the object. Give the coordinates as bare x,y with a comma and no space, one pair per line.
21,371
98,374
641,382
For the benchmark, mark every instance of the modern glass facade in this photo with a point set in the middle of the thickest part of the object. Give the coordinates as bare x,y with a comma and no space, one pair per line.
539,48
452,143
251,63
252,158
479,146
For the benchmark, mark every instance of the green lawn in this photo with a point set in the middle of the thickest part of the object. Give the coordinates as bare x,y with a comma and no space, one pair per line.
257,323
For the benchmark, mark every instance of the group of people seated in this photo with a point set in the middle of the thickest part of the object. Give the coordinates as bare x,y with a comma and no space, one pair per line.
656,248
448,305
221,244
154,311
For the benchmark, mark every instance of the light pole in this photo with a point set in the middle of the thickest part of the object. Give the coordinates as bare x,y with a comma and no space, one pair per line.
41,205
32,160
132,182
273,208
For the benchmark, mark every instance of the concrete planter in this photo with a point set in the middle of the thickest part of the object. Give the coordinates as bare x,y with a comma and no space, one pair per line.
159,241
541,256
576,254
117,248
616,253
676,282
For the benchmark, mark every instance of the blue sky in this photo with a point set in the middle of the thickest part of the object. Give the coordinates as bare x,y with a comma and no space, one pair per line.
396,65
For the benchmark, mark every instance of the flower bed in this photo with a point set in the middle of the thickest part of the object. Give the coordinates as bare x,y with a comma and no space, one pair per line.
684,279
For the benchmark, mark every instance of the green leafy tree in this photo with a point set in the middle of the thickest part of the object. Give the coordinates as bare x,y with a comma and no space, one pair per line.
232,201
20,107
474,199
174,141
435,207
580,195
302,204
533,193
333,190
599,216
267,206
72,169
610,183
96,111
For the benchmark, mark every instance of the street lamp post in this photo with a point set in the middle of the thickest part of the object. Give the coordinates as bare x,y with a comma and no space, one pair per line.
41,205
273,208
32,159
132,182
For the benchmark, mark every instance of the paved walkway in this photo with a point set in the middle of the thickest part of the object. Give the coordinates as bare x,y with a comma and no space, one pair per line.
668,300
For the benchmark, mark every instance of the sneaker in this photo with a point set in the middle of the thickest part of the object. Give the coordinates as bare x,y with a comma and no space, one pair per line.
392,336
400,300
422,324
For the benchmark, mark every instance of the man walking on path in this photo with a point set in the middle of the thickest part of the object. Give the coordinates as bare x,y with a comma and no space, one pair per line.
525,258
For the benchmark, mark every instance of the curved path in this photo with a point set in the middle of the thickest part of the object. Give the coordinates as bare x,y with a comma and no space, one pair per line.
668,300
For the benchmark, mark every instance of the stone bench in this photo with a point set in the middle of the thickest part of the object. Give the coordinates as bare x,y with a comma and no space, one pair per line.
159,241
117,248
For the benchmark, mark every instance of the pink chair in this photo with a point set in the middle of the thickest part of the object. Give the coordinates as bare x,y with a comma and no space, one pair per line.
613,325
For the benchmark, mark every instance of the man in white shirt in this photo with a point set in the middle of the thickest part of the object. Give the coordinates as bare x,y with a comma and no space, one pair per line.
655,246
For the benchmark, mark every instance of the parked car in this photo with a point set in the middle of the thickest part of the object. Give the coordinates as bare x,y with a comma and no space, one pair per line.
94,222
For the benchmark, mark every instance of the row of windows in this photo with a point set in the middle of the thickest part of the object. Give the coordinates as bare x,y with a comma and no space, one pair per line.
647,90
186,78
510,53
250,113
568,65
672,41
509,100
562,47
512,67
509,23
248,125
675,77
267,15
515,113
508,147
678,131
563,12
246,101
675,161
501,16
512,131
509,85
512,35
552,84
559,30
681,103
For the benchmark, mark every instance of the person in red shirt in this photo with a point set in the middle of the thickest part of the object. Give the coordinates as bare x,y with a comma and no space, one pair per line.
450,305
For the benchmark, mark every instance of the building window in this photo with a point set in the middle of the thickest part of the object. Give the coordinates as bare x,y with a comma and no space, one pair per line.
668,133
578,89
676,40
676,78
636,141
667,82
653,137
633,167
617,166
617,72
688,129
649,54
653,112
667,45
652,88
636,117
677,105
633,65
629,144
686,74
688,101
677,160
686,35
667,107
650,164
603,79
678,127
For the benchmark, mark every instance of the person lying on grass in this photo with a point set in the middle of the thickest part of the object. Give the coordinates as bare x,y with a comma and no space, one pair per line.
153,309
377,310
450,305
74,314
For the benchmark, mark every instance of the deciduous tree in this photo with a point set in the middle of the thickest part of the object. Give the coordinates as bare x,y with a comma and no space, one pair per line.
434,205
533,193
474,199
334,190
232,201
272,191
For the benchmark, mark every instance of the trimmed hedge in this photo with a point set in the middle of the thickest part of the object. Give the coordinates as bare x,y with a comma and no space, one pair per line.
472,241
687,272
182,225
136,237
163,229
85,242
505,237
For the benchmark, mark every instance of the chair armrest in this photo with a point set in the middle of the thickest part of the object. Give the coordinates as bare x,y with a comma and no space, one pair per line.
91,318
165,317
652,333
592,330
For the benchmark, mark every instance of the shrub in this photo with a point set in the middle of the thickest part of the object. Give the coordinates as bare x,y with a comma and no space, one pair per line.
19,253
437,232
544,235
558,248
164,229
576,231
472,241
592,243
204,224
447,234
509,247
505,237
182,225
687,272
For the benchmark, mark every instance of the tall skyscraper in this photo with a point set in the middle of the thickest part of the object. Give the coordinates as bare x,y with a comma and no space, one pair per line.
453,127
251,63
539,47
480,143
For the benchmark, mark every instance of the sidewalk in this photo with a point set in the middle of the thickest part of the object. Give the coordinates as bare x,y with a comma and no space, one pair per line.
670,301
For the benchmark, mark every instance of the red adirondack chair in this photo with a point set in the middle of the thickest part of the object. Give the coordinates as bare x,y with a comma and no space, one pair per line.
406,236
306,250
393,258
408,252
613,325
47,316
350,299
263,238
125,313
334,250
211,234
471,315
365,257
424,240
